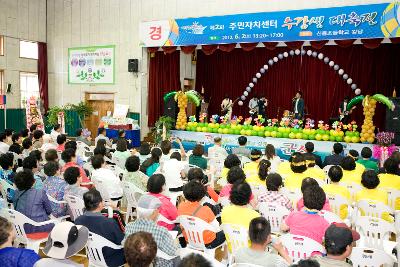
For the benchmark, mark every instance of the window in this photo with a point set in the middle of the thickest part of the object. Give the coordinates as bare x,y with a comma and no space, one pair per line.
29,85
1,45
2,82
28,49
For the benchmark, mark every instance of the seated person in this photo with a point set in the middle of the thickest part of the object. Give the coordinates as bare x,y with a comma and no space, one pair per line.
61,140
197,158
121,136
260,237
31,202
366,155
31,163
217,151
251,168
105,227
354,154
37,140
47,143
156,186
350,174
335,175
16,144
274,184
242,150
73,145
144,151
70,159
390,180
140,249
173,170
230,161
150,165
27,145
110,181
310,182
55,132
73,177
4,146
193,260
166,149
198,174
194,192
336,157
7,173
339,239
121,151
313,170
308,222
51,155
284,169
9,255
54,186
133,175
264,166
102,135
309,146
270,155
148,212
298,167
81,138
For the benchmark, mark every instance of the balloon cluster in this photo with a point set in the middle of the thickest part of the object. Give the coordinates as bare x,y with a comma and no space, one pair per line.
297,52
182,99
368,127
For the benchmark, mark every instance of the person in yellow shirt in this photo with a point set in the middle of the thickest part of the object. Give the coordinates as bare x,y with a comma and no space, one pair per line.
284,168
350,174
370,182
298,167
354,154
251,168
389,179
335,175
264,168
230,161
313,171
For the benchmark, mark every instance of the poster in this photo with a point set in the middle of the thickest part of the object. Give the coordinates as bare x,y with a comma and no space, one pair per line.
335,23
91,65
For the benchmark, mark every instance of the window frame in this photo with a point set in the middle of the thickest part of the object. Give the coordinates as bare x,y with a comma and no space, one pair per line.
28,41
20,94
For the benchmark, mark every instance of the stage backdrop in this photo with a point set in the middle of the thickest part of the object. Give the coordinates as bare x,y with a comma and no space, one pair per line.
228,73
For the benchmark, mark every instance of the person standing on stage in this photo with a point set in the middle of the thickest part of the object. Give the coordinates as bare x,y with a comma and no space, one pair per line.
262,105
253,107
344,114
226,107
298,106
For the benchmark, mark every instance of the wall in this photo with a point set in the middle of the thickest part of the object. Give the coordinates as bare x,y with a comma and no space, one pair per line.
72,23
19,19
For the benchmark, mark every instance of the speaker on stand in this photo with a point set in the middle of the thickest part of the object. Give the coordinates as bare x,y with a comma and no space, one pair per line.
393,120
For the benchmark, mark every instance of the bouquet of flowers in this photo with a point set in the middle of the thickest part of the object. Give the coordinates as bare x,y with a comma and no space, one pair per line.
384,148
296,123
192,118
259,120
248,121
309,124
214,119
203,117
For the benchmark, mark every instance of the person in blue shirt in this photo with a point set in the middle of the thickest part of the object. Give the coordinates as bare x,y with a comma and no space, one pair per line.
6,172
150,165
31,163
10,256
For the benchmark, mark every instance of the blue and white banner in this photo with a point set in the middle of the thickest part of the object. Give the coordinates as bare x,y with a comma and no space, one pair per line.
348,22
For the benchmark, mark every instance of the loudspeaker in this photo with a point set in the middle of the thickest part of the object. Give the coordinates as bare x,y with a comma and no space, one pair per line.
133,65
8,88
171,108
393,119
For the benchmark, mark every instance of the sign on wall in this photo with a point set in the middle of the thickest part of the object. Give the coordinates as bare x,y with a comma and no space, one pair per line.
349,22
91,65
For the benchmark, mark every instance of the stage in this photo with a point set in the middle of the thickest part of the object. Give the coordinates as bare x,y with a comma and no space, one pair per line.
284,146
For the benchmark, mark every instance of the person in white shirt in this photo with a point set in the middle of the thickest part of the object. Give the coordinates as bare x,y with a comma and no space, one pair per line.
270,155
217,151
56,131
4,147
173,170
47,143
166,146
102,135
110,181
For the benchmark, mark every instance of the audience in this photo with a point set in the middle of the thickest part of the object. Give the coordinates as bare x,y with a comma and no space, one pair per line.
390,180
197,158
271,156
150,165
230,161
70,159
121,136
47,143
61,140
144,151
198,175
133,175
102,135
55,132
366,155
354,154
121,151
336,158
51,155
25,133
37,141
27,147
4,147
306,263
217,151
31,202
81,138
312,169
31,163
73,177
10,255
9,133
7,165
32,128
235,175
242,150
274,184
140,249
147,214
195,260
156,187
307,222
298,166
350,174
16,144
310,182
173,170
105,227
264,167
251,168
309,146
260,237
54,186
110,182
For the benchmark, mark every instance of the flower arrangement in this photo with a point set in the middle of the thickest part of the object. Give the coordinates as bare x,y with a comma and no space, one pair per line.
248,121
296,123
259,120
192,118
203,117
214,119
309,124
384,148
236,120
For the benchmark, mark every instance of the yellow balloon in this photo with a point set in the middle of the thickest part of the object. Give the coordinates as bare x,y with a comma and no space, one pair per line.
370,140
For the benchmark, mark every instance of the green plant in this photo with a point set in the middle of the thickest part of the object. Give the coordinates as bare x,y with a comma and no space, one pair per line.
52,115
82,109
161,123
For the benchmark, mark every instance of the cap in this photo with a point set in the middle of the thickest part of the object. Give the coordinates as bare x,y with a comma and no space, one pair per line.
339,235
65,240
355,234
149,202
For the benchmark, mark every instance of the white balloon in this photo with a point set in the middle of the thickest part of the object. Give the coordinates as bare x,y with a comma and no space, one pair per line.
240,103
251,85
331,63
358,91
248,89
254,80
320,56
270,62
258,75
291,52
285,54
265,67
280,56
262,70
303,52
309,52
297,52
354,86
243,97
349,81
345,76
314,54
341,72
336,67
326,59
275,59
245,93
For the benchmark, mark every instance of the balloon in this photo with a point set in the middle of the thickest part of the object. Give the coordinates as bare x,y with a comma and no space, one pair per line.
285,54
354,86
336,67
251,85
243,97
254,80
384,100
345,76
248,89
341,71
240,103
265,67
297,52
331,63
275,59
245,93
357,91
280,56
314,54
291,52
349,81
320,56
258,75
309,52
326,60
303,52
354,101
262,70
270,62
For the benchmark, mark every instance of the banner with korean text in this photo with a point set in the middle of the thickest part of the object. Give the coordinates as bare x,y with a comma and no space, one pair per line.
349,22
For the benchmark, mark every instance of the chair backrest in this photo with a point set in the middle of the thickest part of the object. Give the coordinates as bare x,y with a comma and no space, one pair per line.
373,209
224,201
258,189
336,202
374,230
352,187
244,160
393,195
327,168
95,245
216,165
132,193
300,247
83,149
274,213
120,162
102,189
76,206
293,194
330,217
5,187
237,236
194,228
370,257
183,252
18,220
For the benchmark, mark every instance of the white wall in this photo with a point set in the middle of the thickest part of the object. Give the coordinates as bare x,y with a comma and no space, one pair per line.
72,23
20,19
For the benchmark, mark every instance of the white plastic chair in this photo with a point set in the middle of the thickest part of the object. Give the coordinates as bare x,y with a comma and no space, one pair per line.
57,202
374,231
5,187
352,187
372,209
370,257
236,236
183,252
216,166
274,213
244,160
327,168
258,190
94,248
293,194
83,149
132,194
336,202
393,195
76,206
194,228
330,217
174,196
300,247
19,220
118,161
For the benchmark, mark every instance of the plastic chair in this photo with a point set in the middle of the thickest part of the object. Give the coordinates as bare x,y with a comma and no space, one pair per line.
330,217
216,166
327,168
244,265
372,209
174,196
370,257
244,160
274,213
393,195
374,231
236,236
76,206
300,247
118,161
132,194
83,149
352,187
183,252
94,248
293,194
57,202
336,202
5,187
258,190
19,220
194,228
